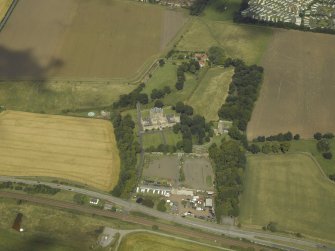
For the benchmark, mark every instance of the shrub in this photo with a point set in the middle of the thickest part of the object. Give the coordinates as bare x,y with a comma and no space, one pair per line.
161,205
327,155
317,136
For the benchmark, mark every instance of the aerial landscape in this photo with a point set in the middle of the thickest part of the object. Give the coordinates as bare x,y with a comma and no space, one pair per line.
167,125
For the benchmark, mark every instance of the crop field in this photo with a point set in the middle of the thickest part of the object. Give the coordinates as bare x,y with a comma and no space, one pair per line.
298,90
198,173
76,39
211,93
238,41
78,149
4,6
147,242
291,191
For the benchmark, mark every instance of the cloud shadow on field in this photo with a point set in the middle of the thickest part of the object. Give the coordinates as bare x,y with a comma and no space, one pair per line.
22,65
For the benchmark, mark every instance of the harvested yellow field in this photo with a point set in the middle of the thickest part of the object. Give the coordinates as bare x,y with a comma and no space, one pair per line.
4,6
78,149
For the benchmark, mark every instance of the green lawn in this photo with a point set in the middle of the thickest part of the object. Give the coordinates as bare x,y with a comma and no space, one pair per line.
147,241
310,146
291,191
211,92
57,97
172,138
48,229
152,139
211,12
239,41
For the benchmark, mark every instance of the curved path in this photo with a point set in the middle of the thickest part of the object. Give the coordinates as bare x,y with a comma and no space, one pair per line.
263,238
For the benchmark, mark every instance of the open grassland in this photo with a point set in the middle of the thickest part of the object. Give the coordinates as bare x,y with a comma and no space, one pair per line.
328,166
82,150
146,241
60,97
48,229
211,93
213,12
291,191
4,6
298,90
238,41
75,39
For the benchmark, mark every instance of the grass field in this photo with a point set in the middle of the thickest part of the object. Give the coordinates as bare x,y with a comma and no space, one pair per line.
57,97
71,39
215,86
146,241
298,89
48,229
291,191
328,166
241,41
82,150
4,6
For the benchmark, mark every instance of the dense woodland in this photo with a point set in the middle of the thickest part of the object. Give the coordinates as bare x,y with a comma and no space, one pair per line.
243,92
229,163
128,148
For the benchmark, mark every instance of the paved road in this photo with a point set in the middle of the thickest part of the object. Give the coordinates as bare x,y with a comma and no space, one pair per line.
253,236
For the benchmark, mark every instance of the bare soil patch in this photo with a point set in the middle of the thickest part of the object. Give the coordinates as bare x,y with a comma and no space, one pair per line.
298,90
196,172
83,39
78,149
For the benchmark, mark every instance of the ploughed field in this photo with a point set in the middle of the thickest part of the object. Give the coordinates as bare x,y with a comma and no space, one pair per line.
80,39
298,89
291,191
78,149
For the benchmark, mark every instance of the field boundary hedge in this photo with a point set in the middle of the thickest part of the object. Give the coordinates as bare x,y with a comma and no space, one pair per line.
8,13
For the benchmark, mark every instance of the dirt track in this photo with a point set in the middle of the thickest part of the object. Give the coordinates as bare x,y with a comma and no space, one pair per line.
215,239
298,90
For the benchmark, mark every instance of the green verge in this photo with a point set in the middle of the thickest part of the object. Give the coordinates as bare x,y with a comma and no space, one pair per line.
146,241
291,191
211,92
50,229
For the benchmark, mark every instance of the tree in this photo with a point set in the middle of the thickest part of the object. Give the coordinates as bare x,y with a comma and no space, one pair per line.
285,146
327,155
323,145
143,98
275,147
328,135
266,148
179,85
216,55
187,145
253,148
167,89
317,136
161,62
159,103
296,137
161,205
235,133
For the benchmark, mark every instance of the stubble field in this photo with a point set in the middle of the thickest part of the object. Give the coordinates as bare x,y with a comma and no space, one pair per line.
298,90
76,39
82,150
291,191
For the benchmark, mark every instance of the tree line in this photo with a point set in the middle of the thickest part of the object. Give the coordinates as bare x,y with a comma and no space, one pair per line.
130,99
230,161
278,137
243,92
191,66
128,148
